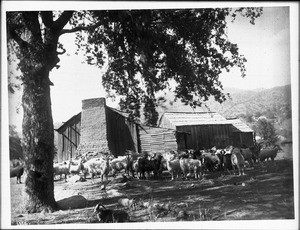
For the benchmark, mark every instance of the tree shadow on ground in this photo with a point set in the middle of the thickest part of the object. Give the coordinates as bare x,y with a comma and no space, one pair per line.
265,192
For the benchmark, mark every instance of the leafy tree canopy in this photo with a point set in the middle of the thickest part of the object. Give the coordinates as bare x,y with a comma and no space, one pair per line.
146,50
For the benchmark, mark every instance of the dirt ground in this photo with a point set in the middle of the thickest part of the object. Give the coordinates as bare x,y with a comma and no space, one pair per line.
266,192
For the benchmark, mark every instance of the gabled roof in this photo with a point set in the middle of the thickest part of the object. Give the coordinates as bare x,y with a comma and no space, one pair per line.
239,126
124,114
79,114
68,122
174,119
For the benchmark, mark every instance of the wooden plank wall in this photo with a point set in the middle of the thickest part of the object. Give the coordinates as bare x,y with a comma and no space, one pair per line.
121,134
154,139
68,139
241,138
207,136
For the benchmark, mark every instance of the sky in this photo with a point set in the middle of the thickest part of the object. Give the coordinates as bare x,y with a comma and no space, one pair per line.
266,46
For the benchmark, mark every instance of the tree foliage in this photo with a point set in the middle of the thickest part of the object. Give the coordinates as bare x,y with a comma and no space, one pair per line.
15,147
148,51
266,129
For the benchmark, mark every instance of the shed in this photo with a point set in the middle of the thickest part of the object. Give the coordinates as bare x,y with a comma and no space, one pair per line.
205,129
242,134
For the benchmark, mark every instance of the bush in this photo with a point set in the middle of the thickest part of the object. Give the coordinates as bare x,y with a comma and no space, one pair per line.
266,130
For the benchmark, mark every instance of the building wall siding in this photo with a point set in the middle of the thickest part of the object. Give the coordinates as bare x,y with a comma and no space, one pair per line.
154,139
68,139
121,134
240,139
206,136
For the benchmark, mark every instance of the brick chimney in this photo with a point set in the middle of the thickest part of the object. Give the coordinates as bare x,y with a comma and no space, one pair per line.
93,132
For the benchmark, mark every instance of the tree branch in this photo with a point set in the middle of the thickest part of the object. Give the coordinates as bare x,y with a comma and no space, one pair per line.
47,18
73,30
61,52
17,38
33,25
59,24
80,28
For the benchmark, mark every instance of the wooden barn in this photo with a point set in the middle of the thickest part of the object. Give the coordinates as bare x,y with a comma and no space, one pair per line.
97,128
102,128
198,130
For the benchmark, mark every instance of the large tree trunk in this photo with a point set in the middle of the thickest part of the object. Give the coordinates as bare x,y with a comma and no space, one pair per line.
38,135
37,52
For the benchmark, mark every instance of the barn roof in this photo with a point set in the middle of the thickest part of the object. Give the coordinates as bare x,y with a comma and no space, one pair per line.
124,114
175,119
66,123
239,126
69,121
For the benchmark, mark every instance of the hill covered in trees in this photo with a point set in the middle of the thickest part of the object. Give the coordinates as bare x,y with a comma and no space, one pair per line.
248,105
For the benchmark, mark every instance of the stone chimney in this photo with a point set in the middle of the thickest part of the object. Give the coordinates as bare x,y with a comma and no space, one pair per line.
93,134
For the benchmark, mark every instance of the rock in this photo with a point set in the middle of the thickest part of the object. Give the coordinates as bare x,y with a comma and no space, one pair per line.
72,202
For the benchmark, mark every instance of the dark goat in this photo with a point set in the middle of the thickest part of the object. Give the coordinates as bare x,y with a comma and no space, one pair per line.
183,154
227,165
255,149
110,215
210,161
146,165
265,154
17,172
196,154
132,158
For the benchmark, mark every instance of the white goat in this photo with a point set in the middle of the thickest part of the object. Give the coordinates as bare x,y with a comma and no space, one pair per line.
118,164
173,165
76,166
97,166
135,167
62,168
189,166
128,203
237,160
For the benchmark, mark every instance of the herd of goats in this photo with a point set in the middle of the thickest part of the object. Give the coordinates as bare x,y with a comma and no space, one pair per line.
189,163
186,164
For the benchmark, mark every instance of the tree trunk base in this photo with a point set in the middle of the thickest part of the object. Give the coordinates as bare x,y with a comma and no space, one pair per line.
34,207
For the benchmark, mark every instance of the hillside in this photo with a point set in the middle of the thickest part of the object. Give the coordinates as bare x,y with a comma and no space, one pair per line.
248,105
255,102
